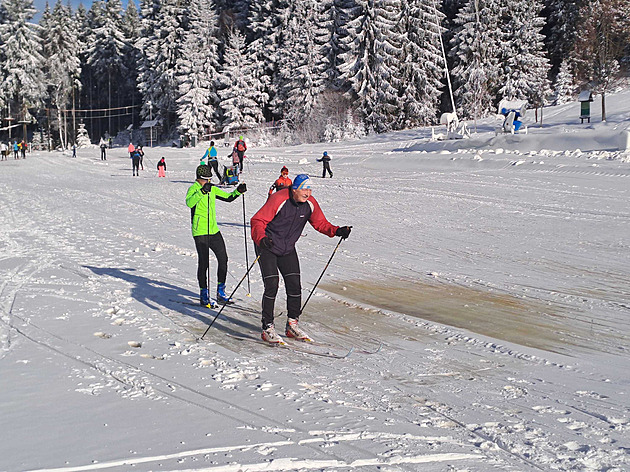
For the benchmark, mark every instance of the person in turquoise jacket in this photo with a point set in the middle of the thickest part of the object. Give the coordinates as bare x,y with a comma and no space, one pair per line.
213,160
201,199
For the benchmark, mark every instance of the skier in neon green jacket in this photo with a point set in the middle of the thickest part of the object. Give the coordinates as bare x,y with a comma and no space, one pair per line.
201,199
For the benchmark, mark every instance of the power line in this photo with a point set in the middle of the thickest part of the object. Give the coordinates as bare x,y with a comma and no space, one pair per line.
93,110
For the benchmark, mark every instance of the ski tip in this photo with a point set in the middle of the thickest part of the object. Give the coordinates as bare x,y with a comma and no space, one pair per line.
249,295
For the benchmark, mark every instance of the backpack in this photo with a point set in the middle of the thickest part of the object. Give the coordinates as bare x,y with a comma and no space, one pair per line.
240,145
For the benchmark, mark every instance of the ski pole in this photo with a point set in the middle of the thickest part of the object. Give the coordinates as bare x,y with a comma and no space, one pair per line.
208,244
245,236
322,274
231,295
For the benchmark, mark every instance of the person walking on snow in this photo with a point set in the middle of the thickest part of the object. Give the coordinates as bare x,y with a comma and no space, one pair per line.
276,227
235,160
103,147
15,150
131,149
74,150
141,153
213,160
201,199
161,167
4,150
23,147
281,182
240,147
325,159
135,163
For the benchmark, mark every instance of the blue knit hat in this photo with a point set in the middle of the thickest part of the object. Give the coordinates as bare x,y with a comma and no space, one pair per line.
301,182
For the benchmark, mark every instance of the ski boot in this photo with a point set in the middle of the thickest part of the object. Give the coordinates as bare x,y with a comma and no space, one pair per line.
269,335
205,300
204,297
221,296
294,331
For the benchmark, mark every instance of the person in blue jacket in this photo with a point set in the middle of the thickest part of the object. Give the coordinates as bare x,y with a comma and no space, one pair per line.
325,159
212,155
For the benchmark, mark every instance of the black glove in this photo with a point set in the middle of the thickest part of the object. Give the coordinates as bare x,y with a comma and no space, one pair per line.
242,188
206,188
266,243
343,231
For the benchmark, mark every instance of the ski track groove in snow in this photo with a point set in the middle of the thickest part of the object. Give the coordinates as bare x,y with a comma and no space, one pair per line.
503,223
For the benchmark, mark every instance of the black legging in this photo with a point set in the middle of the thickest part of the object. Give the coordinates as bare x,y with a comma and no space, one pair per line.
215,165
326,168
241,156
289,267
203,244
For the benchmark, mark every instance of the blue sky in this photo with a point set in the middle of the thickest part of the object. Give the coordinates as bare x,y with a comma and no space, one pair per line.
41,4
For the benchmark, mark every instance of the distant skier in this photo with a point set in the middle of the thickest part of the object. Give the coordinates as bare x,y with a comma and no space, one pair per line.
23,146
161,167
276,227
325,159
235,161
201,199
74,150
141,153
240,147
281,182
16,150
135,163
4,151
212,155
103,147
131,149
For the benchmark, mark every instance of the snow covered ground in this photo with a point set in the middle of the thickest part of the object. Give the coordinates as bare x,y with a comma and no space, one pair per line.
494,270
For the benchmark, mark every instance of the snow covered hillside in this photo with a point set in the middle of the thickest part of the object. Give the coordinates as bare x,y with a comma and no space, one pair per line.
484,291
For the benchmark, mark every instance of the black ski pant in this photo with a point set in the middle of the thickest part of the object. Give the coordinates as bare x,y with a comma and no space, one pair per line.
326,168
289,267
241,155
136,164
215,166
204,244
103,156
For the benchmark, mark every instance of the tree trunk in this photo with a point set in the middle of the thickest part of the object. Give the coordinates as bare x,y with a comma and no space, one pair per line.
603,106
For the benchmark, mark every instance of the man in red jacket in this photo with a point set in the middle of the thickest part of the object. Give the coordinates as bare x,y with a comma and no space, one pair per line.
276,227
240,147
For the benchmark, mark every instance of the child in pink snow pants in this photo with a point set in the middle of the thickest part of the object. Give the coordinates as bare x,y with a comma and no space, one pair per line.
161,167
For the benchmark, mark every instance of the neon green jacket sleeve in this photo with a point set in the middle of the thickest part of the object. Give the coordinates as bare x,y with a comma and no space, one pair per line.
204,218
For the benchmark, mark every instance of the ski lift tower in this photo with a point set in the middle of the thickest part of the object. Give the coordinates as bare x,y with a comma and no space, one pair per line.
150,103
9,119
27,119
